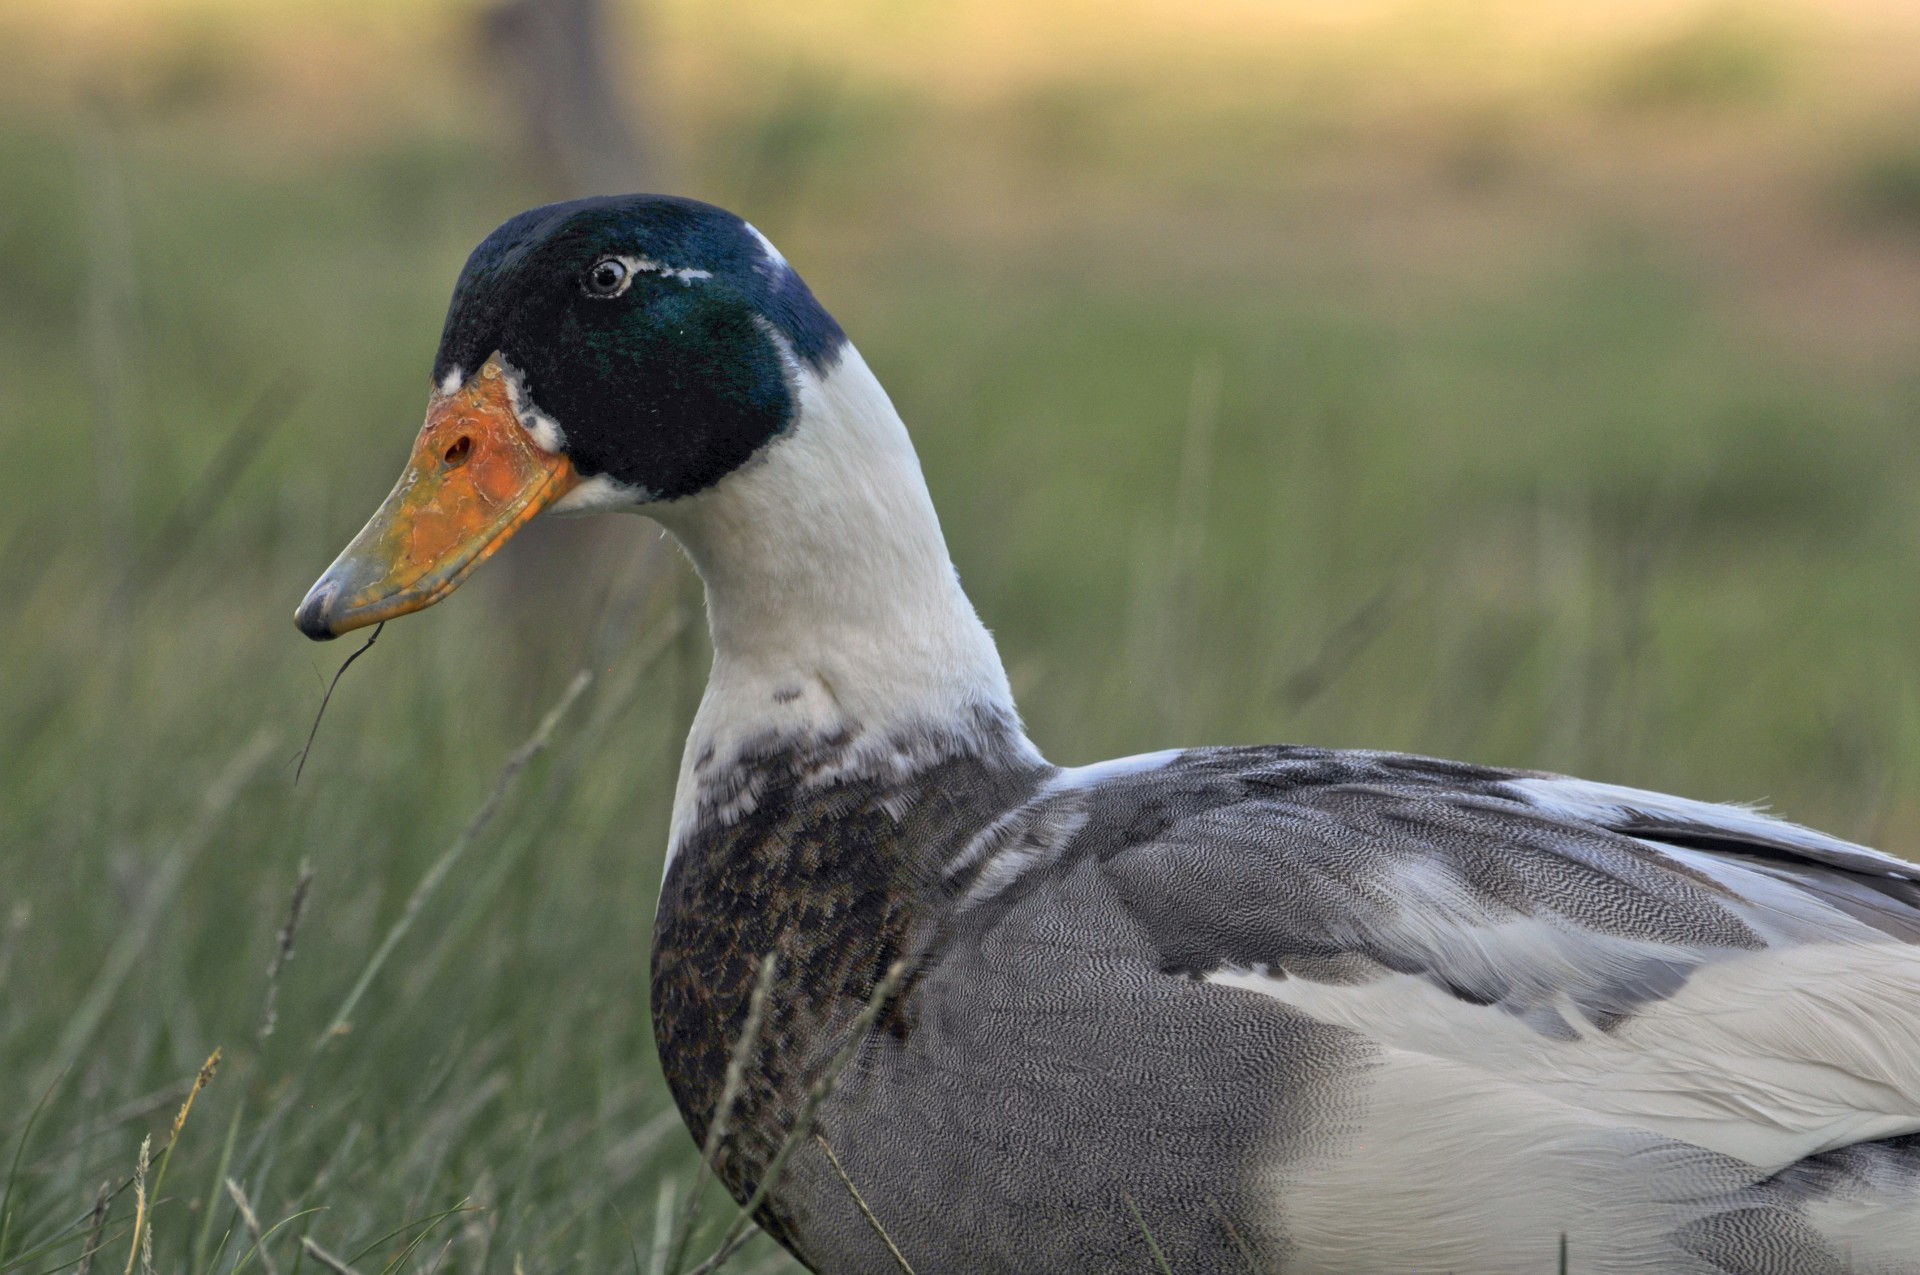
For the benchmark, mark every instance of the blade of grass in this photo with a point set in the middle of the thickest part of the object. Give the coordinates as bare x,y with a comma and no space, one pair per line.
213,1193
13,1170
1239,1241
251,1221
736,1233
82,1261
860,1202
1343,647
429,1221
139,1202
195,509
102,1199
259,1245
200,1081
633,1242
662,1228
610,701
165,883
1153,1245
60,1241
426,1228
437,873
325,1258
139,1179
730,1087
125,1113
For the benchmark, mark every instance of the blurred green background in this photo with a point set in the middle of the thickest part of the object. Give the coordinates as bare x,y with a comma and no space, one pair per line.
1534,384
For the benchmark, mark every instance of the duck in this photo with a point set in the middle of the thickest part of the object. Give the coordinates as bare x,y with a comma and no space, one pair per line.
1276,1008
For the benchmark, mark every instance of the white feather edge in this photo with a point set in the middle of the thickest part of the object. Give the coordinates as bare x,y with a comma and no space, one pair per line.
1768,1055
1592,802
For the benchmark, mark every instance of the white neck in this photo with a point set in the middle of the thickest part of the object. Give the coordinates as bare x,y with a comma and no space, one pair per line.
833,604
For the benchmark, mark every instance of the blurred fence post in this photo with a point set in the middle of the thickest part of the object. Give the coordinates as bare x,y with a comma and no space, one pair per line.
561,58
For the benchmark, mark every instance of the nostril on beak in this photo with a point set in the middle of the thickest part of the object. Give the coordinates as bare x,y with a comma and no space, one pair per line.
311,618
456,455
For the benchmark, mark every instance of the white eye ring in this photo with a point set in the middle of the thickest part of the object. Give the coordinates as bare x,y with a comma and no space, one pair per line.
607,277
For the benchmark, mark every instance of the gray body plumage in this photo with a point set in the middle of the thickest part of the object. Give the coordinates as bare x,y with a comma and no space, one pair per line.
1066,1064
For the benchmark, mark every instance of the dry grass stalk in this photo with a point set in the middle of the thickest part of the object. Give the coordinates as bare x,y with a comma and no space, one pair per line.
735,1080
283,950
200,1081
140,1204
325,1258
860,1202
251,1221
662,1228
517,762
1239,1242
142,1221
96,1226
738,1232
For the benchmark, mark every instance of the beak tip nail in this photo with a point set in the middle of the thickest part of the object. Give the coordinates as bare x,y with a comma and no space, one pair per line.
311,619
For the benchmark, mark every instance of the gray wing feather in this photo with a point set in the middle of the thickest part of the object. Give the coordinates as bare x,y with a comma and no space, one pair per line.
1701,969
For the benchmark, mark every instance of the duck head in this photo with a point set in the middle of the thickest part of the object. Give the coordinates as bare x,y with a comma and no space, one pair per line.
607,353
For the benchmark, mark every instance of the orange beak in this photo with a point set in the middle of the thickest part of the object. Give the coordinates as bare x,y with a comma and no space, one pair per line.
476,476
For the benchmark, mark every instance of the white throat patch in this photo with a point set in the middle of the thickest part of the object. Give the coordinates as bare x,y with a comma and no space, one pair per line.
603,493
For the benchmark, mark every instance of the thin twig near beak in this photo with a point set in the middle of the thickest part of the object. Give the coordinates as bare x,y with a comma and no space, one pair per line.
328,698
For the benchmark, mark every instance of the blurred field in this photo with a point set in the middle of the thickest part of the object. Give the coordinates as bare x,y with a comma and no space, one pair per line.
1449,378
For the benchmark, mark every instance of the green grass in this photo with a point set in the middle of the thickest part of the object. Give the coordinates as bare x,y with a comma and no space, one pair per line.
1577,517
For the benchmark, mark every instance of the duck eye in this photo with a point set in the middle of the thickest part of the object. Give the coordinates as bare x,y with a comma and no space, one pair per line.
607,277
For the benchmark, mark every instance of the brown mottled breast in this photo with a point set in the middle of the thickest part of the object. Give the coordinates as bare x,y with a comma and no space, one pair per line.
840,876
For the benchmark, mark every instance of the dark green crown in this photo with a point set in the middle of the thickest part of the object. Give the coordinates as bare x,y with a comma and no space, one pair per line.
662,335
